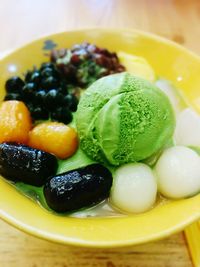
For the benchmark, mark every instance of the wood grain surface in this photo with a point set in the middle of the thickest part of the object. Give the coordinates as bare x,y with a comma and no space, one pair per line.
19,249
25,20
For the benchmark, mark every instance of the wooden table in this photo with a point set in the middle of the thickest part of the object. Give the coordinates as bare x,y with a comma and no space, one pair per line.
24,20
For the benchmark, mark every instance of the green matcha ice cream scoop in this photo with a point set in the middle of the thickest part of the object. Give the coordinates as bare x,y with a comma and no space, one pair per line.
123,118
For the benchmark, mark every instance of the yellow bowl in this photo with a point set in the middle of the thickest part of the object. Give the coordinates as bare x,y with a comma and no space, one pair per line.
169,60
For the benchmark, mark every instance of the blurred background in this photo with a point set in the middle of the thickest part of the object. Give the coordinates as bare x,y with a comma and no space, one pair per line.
23,21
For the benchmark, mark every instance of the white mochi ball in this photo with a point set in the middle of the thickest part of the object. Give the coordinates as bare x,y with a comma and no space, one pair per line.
134,188
178,172
187,130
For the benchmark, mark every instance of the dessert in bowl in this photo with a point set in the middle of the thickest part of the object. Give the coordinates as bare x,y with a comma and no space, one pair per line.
120,216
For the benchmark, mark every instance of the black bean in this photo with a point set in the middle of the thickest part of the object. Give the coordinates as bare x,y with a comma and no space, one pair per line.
66,101
49,83
53,98
62,114
40,97
40,113
35,77
47,65
14,85
47,72
28,91
73,102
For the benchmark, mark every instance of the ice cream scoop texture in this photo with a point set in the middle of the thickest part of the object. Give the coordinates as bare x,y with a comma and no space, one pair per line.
123,118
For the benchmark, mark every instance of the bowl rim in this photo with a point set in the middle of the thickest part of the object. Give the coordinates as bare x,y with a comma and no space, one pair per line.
102,29
95,244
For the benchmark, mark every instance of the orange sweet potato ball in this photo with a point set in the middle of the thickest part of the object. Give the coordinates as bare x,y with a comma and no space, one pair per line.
54,137
15,122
